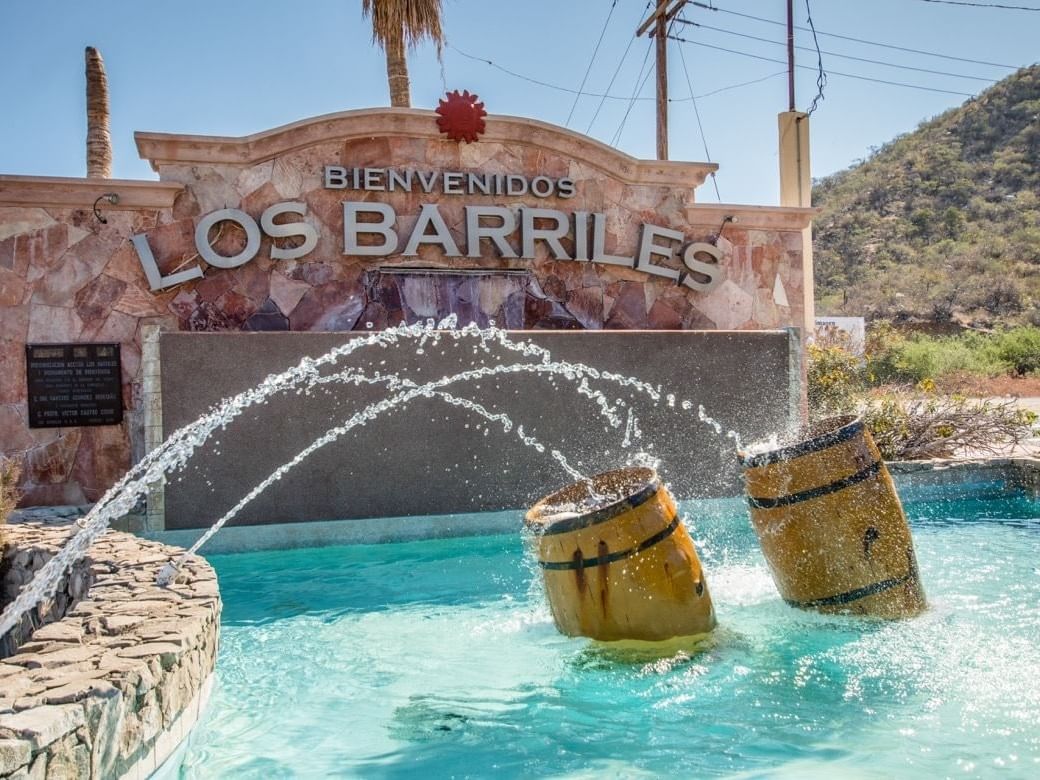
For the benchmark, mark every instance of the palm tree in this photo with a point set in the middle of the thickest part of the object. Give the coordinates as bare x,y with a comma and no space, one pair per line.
393,22
99,142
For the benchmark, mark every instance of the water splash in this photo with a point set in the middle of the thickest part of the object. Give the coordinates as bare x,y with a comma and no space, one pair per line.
175,451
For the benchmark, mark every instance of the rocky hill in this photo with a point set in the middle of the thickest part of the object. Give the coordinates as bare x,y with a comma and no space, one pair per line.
941,224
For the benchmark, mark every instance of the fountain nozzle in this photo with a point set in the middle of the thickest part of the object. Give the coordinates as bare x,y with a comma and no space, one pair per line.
167,574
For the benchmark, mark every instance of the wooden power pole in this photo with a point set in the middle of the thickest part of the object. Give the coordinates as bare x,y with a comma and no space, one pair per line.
790,55
658,20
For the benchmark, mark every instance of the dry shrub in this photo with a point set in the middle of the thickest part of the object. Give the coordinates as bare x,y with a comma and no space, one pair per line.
9,471
911,427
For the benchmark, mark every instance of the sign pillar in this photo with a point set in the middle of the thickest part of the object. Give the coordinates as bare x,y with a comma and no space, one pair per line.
796,190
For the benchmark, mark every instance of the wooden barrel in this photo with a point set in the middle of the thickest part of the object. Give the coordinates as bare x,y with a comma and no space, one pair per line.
618,563
831,526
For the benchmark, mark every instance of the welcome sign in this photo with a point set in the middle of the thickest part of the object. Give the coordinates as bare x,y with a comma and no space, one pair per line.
370,228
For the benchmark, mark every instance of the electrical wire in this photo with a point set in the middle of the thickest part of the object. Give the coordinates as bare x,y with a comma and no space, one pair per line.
833,72
613,78
700,126
635,94
856,40
603,95
836,54
985,5
588,70
821,74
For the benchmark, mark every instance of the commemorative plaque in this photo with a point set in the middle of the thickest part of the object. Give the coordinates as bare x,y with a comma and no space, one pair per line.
73,384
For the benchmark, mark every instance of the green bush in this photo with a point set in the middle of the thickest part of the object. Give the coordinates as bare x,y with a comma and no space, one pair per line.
1019,349
920,423
896,358
836,380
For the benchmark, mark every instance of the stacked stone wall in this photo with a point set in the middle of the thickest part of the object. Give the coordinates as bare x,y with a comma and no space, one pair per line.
111,687
66,276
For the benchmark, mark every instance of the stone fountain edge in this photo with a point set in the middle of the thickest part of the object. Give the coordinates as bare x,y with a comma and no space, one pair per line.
117,671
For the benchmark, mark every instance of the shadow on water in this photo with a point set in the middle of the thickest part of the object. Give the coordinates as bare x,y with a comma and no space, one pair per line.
330,582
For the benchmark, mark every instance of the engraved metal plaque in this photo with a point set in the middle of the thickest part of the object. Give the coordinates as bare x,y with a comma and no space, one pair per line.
73,384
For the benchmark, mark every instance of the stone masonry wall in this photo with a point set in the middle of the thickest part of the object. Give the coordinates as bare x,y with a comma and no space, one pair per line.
112,687
67,277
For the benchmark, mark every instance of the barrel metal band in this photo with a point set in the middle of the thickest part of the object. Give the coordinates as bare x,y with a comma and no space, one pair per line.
816,492
609,512
855,595
848,431
588,563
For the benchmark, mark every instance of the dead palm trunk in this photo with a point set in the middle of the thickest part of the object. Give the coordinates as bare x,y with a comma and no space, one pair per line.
395,22
397,71
99,141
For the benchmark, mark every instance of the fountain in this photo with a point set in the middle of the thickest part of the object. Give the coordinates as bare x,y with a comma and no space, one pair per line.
643,518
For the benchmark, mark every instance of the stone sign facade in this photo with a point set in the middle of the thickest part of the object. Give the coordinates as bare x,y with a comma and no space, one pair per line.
77,267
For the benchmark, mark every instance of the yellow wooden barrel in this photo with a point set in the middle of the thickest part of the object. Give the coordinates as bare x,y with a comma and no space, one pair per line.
618,563
831,526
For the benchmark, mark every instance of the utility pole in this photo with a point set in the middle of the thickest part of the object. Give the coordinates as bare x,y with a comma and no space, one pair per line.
790,55
661,33
665,11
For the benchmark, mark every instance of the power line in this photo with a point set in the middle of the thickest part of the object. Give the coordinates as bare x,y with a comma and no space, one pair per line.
836,54
603,95
833,72
700,127
821,74
858,40
613,78
588,70
985,5
635,93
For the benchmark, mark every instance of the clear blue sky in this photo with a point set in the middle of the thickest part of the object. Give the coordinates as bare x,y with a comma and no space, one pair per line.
233,67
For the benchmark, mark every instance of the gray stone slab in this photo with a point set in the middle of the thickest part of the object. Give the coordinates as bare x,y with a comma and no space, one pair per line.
430,458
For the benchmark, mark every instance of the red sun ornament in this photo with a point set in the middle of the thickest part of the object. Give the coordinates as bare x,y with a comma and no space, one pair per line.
461,116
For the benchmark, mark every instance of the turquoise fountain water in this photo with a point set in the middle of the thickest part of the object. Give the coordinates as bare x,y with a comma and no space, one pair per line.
439,658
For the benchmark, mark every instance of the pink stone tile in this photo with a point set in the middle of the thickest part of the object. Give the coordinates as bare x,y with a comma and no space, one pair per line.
52,463
367,153
61,283
184,304
137,302
185,206
124,264
727,305
102,458
14,429
629,310
216,282
286,293
53,323
94,301
664,317
444,155
586,304
12,288
115,327
259,199
12,377
252,282
63,494
253,178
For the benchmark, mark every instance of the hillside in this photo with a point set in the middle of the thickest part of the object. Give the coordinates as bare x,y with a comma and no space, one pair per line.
941,224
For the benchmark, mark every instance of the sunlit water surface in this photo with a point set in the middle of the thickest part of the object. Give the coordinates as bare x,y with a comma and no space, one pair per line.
440,659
